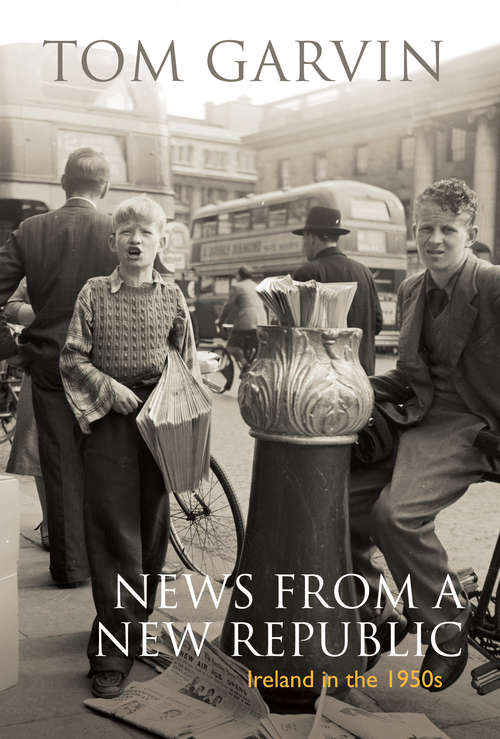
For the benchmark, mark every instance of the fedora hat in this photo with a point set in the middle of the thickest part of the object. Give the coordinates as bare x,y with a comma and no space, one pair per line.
322,220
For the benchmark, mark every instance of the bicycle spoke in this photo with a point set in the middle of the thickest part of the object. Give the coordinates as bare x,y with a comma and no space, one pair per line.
207,526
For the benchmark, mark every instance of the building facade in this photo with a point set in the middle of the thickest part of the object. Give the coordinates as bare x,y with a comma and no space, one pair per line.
398,135
239,115
209,163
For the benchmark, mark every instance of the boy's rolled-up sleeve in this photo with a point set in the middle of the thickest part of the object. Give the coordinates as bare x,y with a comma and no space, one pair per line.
88,390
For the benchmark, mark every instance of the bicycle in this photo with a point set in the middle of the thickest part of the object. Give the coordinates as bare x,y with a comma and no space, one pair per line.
222,380
10,386
484,631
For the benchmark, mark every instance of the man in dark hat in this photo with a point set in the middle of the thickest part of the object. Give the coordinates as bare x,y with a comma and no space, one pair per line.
326,263
244,309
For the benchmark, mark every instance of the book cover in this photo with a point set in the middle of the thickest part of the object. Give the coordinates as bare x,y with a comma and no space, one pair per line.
197,104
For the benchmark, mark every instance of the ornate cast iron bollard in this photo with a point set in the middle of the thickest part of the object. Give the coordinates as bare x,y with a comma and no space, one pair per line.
304,398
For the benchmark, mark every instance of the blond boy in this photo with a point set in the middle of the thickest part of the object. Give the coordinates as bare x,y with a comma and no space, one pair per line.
121,330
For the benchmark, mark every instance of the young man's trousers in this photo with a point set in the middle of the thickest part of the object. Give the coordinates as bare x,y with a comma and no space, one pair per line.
395,505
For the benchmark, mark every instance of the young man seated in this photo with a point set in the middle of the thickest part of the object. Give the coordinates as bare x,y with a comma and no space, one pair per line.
448,382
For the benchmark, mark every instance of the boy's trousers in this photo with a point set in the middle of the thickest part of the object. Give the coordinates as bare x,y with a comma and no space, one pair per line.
126,512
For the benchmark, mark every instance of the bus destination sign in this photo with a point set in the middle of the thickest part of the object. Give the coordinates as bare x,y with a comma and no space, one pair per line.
251,247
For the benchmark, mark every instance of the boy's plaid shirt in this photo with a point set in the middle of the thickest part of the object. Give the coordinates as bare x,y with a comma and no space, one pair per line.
139,349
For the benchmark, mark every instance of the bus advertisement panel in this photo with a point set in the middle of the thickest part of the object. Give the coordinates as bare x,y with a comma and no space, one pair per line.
256,230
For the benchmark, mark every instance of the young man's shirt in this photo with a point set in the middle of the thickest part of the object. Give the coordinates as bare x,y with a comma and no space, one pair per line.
121,332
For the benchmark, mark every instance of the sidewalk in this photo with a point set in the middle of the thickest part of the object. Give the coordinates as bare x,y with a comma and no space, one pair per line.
48,699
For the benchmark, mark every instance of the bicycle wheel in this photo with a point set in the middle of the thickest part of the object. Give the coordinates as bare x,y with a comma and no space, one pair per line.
7,426
8,407
222,380
206,527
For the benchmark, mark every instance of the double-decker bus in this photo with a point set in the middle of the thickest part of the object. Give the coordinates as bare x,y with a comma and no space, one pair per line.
256,230
42,121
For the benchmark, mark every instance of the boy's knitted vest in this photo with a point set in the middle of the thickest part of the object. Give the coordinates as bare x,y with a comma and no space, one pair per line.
131,327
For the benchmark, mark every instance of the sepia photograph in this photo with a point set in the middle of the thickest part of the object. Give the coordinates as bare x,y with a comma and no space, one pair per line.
249,370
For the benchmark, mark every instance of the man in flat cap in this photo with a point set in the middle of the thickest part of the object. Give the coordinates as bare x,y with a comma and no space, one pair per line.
326,263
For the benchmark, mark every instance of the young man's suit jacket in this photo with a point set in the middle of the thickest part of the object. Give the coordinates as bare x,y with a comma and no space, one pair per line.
474,336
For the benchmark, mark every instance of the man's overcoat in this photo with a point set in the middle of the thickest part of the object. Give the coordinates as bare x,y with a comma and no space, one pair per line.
332,265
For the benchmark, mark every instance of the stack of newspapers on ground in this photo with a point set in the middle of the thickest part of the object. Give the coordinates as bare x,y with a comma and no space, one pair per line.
204,694
308,304
175,424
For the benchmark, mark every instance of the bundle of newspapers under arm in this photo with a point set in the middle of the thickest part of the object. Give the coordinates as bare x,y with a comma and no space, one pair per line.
175,424
308,304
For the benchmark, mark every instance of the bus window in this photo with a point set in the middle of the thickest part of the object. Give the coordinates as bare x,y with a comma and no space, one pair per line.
372,241
385,280
240,221
370,210
209,227
224,224
277,215
259,218
297,211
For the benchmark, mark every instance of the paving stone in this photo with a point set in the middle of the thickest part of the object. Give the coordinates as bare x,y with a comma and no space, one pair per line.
477,730
80,726
457,705
53,682
47,611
